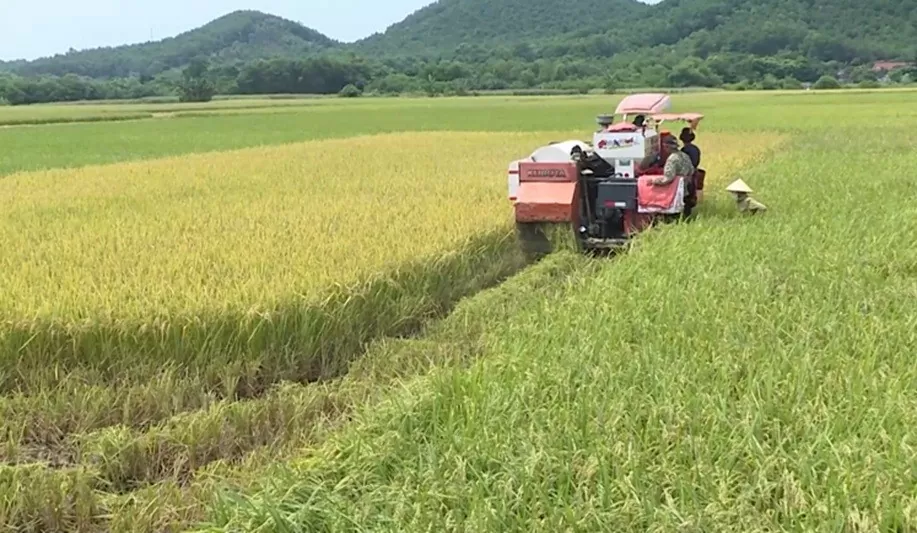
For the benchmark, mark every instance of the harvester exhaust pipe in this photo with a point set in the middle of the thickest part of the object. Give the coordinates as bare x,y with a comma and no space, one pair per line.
577,156
604,121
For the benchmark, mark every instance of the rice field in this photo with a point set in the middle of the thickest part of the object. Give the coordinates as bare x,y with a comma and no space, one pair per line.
230,258
315,324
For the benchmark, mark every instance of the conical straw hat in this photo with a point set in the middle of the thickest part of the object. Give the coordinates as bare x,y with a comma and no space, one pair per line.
739,186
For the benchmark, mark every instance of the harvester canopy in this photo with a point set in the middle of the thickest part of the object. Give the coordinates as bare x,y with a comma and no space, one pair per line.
644,104
693,119
654,106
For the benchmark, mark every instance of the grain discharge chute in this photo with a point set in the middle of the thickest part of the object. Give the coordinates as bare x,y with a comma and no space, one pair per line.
600,190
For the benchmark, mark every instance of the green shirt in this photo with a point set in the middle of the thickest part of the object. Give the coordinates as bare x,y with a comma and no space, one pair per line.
677,165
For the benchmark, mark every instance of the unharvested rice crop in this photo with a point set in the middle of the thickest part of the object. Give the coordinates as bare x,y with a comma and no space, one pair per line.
242,229
209,259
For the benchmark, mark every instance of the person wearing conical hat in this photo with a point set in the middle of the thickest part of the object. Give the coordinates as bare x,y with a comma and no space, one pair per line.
739,187
744,202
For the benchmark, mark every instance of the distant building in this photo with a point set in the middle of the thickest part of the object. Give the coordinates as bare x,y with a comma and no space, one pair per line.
888,66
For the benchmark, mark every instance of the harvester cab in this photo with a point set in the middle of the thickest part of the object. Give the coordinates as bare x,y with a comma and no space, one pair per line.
601,191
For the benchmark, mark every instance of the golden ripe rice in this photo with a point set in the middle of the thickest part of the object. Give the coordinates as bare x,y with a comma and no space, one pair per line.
245,228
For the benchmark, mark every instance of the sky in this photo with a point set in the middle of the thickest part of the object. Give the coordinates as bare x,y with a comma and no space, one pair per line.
36,28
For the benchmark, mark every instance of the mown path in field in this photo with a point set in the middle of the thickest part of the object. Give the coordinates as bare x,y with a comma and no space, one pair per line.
749,374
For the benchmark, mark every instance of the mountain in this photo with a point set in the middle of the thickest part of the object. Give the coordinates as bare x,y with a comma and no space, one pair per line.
11,64
527,30
841,30
238,36
446,24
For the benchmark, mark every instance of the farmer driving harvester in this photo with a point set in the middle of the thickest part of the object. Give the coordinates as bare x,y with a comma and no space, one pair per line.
677,165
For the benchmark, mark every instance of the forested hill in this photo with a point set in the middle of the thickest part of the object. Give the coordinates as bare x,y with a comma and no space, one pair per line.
447,24
238,36
840,30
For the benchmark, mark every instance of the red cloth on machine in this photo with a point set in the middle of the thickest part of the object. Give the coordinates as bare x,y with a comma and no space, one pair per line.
656,197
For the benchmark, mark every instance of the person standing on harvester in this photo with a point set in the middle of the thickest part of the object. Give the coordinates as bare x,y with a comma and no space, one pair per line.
687,137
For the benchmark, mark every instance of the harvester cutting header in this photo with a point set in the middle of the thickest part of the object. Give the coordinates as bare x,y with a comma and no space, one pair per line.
631,175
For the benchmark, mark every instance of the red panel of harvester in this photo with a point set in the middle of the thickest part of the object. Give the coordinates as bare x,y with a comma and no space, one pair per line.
547,192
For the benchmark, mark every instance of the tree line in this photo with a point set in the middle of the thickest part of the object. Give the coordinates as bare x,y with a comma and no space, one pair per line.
468,70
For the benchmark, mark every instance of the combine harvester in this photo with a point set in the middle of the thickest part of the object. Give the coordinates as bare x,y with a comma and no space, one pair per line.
599,190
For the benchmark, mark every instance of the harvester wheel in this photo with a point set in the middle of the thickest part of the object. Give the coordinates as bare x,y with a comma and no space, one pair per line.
532,239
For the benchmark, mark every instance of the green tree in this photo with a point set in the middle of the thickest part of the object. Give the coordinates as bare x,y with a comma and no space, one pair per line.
826,82
769,83
790,83
350,91
195,84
